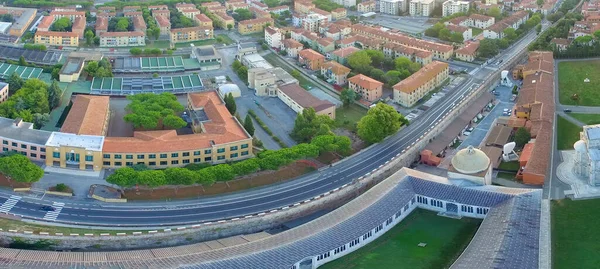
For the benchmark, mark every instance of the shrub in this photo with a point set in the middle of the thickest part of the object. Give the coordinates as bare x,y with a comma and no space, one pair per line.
61,187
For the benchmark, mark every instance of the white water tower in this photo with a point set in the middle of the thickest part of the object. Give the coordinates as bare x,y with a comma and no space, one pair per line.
505,80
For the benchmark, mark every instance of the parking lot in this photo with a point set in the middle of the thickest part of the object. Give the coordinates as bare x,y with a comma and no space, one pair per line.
411,25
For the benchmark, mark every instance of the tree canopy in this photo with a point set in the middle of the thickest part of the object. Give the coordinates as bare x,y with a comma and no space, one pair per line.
242,14
62,25
19,168
326,5
178,20
487,48
120,24
380,122
230,103
522,137
100,69
249,125
150,111
30,99
360,62
308,124
347,96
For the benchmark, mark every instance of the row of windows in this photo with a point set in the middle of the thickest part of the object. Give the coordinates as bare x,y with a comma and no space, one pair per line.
482,211
437,203
23,146
338,250
176,155
323,256
466,208
24,153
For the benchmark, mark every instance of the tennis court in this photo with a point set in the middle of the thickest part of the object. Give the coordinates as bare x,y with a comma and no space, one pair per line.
148,64
128,86
23,71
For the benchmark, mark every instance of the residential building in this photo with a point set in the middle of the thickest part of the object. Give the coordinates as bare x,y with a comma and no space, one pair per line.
131,8
47,37
515,20
224,20
410,90
3,91
451,7
481,21
421,7
211,4
322,13
364,7
338,13
107,9
182,6
132,14
158,7
215,9
311,59
583,28
273,37
203,20
190,12
139,24
265,81
191,34
393,51
233,5
345,3
312,22
341,55
278,9
368,88
254,25
299,99
259,5
335,73
468,52
161,12
259,13
68,39
291,47
164,24
325,45
561,43
122,39
303,6
466,32
393,7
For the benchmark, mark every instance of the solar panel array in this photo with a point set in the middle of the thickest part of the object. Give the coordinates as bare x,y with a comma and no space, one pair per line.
34,56
148,64
457,194
135,85
24,72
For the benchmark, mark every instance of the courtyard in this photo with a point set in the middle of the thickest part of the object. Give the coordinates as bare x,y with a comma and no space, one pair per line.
446,238
572,77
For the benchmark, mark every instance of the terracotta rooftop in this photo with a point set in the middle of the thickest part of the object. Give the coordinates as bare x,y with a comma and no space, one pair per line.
139,23
160,12
336,68
365,82
256,21
277,8
102,24
221,128
223,16
271,31
320,11
345,52
480,17
540,61
162,21
157,7
87,115
184,5
367,3
68,13
508,21
203,18
290,43
325,41
469,49
401,39
46,22
119,34
310,54
458,20
424,75
52,33
210,4
457,28
304,98
339,10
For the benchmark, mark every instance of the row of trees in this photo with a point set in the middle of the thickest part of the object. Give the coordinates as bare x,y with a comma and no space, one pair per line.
267,160
326,5
560,30
31,100
150,111
147,51
40,47
120,24
440,31
242,14
490,47
152,30
240,70
178,20
100,69
367,61
20,169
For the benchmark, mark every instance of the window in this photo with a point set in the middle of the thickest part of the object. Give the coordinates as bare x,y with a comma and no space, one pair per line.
129,163
197,160
43,149
405,208
233,148
140,156
220,150
163,162
4,142
118,164
163,156
152,163
106,156
89,158
388,221
33,155
244,146
412,201
398,214
234,155
196,153
221,157
33,148
174,155
355,242
5,149
117,156
244,153
175,162
129,157
43,157
106,163
14,144
55,154
151,156
207,151
186,161
186,154
23,146
378,228
208,159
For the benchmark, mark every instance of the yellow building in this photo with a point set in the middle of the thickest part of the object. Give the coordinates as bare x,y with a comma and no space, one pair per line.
164,24
68,39
409,91
254,25
122,39
223,20
203,20
191,34
338,13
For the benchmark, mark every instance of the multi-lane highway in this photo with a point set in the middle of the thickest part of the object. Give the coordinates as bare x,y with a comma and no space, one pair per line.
255,200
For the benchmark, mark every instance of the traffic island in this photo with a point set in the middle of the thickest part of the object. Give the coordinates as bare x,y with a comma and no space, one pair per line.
106,194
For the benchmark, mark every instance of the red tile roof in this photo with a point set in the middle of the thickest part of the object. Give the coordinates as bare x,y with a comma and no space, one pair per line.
304,98
87,115
310,54
365,82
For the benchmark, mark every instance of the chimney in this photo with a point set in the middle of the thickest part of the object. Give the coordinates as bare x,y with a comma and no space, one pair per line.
18,122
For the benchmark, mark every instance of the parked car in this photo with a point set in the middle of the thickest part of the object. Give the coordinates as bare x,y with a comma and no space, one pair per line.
470,129
47,208
513,98
567,110
466,133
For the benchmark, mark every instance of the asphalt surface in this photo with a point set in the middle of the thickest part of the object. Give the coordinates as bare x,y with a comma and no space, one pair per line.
255,200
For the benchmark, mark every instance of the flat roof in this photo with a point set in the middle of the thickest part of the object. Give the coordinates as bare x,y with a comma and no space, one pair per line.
256,60
134,85
73,65
148,64
36,56
23,132
89,142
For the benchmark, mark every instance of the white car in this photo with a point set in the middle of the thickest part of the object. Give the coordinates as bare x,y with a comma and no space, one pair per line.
505,110
466,133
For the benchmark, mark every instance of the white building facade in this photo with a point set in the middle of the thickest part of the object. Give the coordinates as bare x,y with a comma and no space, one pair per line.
452,7
587,155
421,7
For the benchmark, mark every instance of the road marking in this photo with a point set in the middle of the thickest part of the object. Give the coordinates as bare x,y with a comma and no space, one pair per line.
52,215
10,203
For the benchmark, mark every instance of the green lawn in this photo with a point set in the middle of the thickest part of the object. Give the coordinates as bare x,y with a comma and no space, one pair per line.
574,234
476,31
567,133
588,119
446,238
275,61
347,117
165,44
571,77
509,166
506,175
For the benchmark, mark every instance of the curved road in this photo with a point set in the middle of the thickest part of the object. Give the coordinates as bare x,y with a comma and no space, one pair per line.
255,200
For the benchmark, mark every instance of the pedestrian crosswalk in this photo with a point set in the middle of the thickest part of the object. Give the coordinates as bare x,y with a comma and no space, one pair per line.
52,215
9,204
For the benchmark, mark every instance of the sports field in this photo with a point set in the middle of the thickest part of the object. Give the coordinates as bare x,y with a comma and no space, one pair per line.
446,238
571,80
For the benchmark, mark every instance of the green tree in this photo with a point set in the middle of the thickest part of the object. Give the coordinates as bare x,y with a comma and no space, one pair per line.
22,61
146,110
136,51
487,48
456,37
151,178
242,14
19,168
540,3
229,27
538,29
434,30
376,74
402,63
376,57
380,122
445,34
246,167
332,143
249,125
522,136
347,96
503,43
89,37
222,172
296,74
54,94
62,25
360,62
124,177
230,103
173,122
510,33
40,120
308,124
15,82
271,3
392,78
121,25
495,12
180,176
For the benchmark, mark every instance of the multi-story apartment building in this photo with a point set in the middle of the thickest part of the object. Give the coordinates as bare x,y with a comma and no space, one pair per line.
338,13
409,91
163,24
474,20
322,13
299,99
291,47
364,7
23,17
203,20
311,59
273,37
345,3
132,14
48,37
131,8
583,28
452,7
122,39
161,12
68,39
341,55
393,51
368,88
254,25
515,20
468,52
236,4
335,73
466,32
158,7
312,22
278,9
259,13
392,7
224,20
190,12
325,45
3,91
303,6
421,7
139,24
191,34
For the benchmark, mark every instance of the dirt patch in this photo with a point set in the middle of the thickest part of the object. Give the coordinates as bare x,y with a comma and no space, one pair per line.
357,143
328,158
5,182
259,179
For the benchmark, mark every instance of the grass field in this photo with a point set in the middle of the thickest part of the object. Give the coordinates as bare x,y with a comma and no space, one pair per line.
446,238
476,31
164,44
586,118
574,234
571,77
347,117
567,134
509,166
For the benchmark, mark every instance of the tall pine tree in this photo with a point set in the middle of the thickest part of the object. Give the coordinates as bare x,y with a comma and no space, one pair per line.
249,125
230,103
